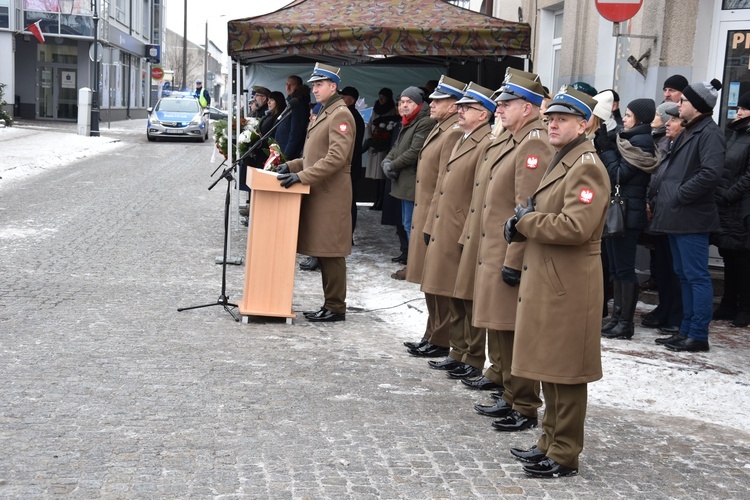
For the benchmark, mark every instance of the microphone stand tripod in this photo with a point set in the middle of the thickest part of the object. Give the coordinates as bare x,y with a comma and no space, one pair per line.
223,299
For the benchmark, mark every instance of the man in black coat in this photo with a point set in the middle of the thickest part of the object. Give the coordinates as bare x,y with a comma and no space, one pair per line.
686,211
350,95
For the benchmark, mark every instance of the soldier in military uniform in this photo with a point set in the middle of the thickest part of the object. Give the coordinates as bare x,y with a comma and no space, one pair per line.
325,216
433,157
447,217
512,170
558,321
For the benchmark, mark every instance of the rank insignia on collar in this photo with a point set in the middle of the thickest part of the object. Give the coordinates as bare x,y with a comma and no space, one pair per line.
532,162
343,127
586,196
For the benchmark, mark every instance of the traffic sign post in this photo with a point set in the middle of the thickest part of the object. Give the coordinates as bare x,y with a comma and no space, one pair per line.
618,11
157,73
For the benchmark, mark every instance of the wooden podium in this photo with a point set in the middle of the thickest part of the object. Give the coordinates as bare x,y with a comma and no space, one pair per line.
271,246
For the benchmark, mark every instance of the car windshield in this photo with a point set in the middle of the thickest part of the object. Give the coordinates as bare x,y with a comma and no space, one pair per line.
178,105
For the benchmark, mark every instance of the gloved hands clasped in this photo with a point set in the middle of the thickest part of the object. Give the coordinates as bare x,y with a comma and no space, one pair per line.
510,230
288,180
387,167
511,276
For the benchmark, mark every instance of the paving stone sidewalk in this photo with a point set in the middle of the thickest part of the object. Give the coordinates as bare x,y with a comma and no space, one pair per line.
108,392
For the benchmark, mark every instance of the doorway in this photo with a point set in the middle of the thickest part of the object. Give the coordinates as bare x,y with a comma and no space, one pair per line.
58,92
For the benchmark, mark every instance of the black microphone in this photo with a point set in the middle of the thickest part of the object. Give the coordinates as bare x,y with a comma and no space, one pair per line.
293,103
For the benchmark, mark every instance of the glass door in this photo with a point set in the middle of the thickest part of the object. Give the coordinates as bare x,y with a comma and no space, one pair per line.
67,97
732,67
46,98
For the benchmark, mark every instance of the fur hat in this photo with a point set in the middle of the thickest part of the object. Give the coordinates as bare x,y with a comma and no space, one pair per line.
703,95
644,110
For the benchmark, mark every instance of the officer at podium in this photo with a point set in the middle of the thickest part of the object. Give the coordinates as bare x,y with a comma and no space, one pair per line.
325,215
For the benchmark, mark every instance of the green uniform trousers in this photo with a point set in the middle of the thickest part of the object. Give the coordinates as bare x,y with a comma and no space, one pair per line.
462,335
333,271
438,320
521,393
562,426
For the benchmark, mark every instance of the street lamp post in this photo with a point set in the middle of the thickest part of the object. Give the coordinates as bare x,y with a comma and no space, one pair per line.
95,88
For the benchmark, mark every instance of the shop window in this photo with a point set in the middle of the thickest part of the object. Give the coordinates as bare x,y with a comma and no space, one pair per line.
736,79
735,4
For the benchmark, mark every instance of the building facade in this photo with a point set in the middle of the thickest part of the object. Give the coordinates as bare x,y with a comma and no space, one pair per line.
43,79
699,39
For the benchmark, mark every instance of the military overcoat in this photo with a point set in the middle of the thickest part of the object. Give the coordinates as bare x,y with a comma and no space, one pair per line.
514,176
448,213
433,158
559,316
325,224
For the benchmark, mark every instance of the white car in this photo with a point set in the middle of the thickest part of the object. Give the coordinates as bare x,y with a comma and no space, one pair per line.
177,117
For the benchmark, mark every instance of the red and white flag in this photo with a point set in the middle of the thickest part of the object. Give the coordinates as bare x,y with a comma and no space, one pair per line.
36,30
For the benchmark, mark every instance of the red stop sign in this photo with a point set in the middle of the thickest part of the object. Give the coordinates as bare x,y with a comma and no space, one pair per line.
618,11
157,73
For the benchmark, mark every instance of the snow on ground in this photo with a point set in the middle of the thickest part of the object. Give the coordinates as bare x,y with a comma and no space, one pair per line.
26,152
638,374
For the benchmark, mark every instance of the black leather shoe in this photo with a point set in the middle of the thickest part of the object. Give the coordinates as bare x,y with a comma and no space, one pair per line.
307,314
532,456
549,468
326,315
310,264
415,345
465,371
401,259
481,384
688,345
673,338
499,410
430,351
649,322
515,421
498,393
668,329
446,364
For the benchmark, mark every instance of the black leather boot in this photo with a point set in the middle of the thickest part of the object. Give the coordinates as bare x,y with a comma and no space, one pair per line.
616,308
625,327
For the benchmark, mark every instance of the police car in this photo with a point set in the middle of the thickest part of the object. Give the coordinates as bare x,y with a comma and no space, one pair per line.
177,116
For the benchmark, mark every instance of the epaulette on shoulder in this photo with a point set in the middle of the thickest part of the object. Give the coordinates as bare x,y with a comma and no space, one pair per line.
534,134
588,158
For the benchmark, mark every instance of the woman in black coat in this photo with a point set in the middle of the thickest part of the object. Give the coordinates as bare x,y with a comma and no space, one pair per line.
732,238
629,163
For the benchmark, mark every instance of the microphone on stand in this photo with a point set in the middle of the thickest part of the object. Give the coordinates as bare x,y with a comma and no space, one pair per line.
293,103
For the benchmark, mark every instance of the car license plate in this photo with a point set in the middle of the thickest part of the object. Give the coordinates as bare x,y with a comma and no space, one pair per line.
175,131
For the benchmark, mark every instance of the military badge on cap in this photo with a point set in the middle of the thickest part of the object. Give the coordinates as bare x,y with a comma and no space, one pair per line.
325,72
448,87
517,87
474,93
573,102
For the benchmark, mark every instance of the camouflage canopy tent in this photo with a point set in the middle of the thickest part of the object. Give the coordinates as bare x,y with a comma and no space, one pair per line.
346,32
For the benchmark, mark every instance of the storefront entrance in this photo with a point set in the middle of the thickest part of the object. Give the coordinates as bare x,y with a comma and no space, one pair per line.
57,82
58,92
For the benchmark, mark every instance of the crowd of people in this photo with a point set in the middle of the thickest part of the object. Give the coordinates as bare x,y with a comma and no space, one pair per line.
503,198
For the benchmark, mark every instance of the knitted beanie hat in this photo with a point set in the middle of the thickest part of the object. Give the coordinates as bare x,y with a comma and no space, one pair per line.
643,109
413,93
744,101
677,82
665,110
703,95
604,102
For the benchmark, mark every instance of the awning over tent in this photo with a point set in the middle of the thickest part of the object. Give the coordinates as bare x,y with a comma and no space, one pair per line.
356,30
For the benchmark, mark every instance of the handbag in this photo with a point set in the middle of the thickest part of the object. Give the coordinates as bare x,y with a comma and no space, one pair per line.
614,224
